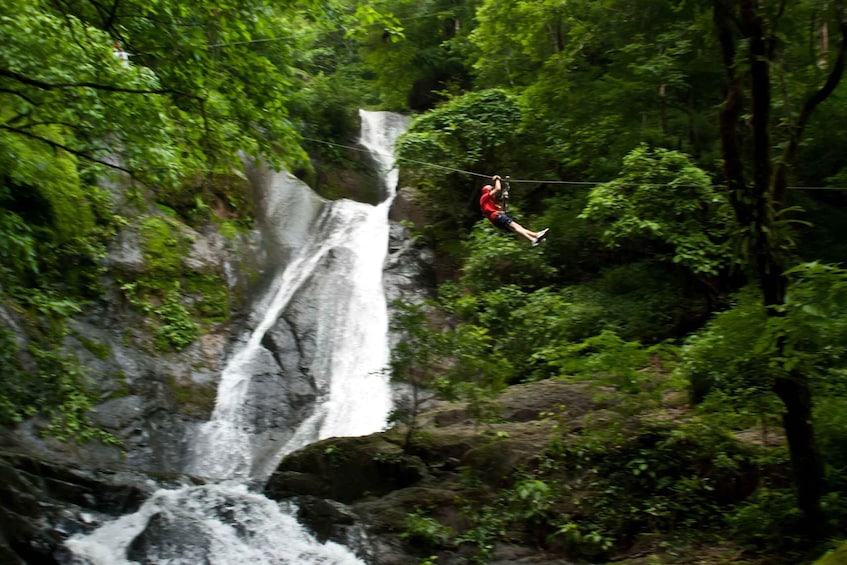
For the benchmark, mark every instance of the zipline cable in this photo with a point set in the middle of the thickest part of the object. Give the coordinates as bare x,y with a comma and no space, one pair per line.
424,163
531,181
315,33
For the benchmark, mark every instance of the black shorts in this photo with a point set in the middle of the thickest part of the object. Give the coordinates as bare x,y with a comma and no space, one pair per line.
502,221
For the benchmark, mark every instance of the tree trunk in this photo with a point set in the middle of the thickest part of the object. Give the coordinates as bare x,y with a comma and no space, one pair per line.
755,207
806,461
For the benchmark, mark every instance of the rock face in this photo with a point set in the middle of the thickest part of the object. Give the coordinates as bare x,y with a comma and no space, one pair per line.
150,397
152,401
44,503
408,276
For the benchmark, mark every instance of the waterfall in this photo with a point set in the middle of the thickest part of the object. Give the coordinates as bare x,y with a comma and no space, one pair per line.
335,271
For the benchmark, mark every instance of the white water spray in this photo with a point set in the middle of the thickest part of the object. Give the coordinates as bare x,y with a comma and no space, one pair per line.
338,268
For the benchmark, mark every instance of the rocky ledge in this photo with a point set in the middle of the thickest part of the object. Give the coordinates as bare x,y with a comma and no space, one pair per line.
378,481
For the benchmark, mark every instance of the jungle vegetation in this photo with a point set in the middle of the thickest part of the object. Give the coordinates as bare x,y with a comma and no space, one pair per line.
688,156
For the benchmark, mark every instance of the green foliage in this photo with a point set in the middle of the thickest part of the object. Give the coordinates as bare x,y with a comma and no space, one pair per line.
57,390
459,363
470,132
414,361
727,355
464,131
572,247
65,396
181,104
415,50
177,299
735,352
598,78
486,527
661,197
17,247
814,326
596,491
98,349
529,327
16,398
604,358
831,431
656,478
50,224
164,246
44,186
818,160
498,258
425,531
834,557
544,331
643,300
220,199
176,328
532,500
209,295
768,519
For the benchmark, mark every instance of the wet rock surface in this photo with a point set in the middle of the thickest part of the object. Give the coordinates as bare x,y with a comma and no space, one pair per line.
43,503
153,401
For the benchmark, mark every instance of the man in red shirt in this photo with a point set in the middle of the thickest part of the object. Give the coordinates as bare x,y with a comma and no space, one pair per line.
495,213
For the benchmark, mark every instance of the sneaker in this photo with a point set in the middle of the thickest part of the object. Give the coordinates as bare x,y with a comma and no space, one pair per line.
542,235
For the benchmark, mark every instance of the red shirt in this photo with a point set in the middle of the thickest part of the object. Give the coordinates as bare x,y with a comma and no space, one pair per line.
487,205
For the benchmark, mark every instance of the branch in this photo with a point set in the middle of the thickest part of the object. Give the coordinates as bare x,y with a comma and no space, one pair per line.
71,150
731,108
760,92
19,94
836,73
107,14
781,11
106,87
76,128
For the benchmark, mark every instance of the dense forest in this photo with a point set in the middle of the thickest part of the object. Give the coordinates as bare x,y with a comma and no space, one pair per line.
688,157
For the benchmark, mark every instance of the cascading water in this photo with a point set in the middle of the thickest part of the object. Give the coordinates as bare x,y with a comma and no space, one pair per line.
334,271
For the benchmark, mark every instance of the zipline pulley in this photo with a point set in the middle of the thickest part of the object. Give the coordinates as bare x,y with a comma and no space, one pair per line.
504,193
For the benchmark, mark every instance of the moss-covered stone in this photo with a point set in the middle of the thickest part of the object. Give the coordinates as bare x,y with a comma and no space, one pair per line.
99,349
192,398
163,245
179,300
212,300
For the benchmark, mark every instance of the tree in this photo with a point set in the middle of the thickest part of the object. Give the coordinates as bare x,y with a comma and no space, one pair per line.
199,86
456,363
596,78
417,52
662,202
757,179
469,133
194,92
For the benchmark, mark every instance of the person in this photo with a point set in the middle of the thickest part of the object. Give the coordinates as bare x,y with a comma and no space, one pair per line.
121,54
492,210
